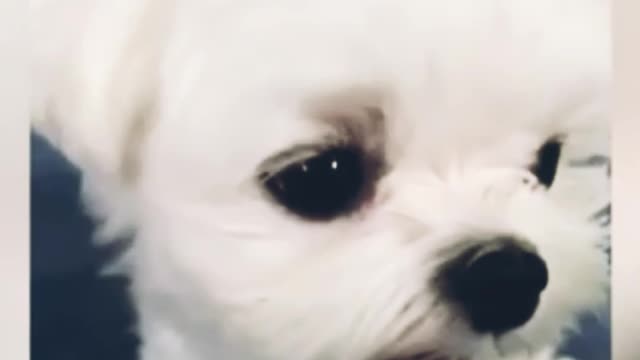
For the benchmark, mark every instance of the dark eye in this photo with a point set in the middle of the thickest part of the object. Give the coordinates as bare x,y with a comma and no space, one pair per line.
322,187
546,164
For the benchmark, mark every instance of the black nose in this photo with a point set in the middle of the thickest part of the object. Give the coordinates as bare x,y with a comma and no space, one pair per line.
498,290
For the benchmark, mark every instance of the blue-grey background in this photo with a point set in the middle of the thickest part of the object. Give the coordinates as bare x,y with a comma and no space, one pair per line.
77,315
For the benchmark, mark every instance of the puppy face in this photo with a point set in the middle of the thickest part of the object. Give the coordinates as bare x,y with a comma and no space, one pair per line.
374,179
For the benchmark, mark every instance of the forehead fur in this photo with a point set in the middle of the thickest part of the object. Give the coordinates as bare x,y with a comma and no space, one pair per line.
449,77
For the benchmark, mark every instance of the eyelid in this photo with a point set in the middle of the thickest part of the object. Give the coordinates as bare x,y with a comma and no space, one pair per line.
558,138
286,158
293,155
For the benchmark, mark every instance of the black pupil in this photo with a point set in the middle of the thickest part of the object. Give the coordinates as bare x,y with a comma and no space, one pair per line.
547,162
322,187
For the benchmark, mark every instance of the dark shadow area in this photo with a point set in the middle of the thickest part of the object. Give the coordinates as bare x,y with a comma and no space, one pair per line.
75,313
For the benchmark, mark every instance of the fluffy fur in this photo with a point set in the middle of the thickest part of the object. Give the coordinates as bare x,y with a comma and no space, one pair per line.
170,106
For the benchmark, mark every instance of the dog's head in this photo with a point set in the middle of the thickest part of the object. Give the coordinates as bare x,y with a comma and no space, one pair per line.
353,179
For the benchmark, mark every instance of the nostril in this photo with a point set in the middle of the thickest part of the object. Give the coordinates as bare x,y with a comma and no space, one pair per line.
507,269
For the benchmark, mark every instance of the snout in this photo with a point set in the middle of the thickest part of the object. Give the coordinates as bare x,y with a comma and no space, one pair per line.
496,285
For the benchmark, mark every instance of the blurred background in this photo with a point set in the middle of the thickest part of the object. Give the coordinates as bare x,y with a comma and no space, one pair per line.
78,315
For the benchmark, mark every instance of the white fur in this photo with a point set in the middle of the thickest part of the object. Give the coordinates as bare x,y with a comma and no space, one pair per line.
469,88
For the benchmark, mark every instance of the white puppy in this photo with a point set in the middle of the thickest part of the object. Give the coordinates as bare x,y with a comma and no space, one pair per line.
338,179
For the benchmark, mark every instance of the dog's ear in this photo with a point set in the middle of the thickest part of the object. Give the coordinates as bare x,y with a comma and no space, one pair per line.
94,73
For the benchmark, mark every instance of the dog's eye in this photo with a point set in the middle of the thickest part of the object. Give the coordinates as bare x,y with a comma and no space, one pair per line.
546,164
321,187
